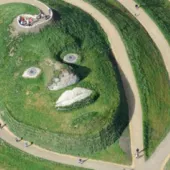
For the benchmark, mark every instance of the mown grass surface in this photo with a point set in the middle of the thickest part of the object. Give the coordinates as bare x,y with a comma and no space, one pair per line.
149,70
29,108
167,166
115,153
14,159
159,11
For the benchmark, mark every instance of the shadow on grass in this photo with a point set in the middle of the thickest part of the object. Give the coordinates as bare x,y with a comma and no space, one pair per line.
81,71
124,112
56,15
126,93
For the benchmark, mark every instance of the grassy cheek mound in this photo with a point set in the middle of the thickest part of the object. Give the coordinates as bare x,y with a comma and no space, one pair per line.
28,106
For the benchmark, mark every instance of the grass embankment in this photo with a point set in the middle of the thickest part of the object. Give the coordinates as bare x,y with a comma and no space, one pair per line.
29,106
149,70
159,11
14,159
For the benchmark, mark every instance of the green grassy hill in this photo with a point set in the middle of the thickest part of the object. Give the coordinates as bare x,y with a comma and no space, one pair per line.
29,107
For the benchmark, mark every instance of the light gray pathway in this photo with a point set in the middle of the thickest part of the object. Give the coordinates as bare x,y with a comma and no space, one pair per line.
160,154
52,156
152,30
127,75
157,159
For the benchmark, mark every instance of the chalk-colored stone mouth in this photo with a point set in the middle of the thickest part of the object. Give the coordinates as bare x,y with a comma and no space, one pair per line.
70,97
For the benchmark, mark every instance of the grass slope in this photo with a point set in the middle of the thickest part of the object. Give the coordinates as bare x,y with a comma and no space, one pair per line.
29,106
159,11
14,159
167,166
149,70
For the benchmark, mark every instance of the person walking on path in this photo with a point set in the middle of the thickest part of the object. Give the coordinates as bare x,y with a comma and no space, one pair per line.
26,144
137,153
18,139
137,6
1,126
80,161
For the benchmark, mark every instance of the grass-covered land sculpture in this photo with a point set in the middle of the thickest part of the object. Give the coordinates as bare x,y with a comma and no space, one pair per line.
28,105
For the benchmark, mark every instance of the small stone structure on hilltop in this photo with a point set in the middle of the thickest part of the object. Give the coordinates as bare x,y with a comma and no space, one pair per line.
31,23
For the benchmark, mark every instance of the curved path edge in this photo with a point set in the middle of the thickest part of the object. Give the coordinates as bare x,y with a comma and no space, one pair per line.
156,160
127,76
165,162
130,86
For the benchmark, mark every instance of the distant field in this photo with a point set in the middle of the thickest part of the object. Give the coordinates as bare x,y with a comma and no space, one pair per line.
149,69
14,159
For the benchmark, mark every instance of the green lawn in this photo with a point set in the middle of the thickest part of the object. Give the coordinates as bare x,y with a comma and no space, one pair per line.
29,108
115,153
159,11
149,69
167,166
14,159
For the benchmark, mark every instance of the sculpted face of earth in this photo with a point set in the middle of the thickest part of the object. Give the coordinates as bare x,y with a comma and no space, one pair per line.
70,97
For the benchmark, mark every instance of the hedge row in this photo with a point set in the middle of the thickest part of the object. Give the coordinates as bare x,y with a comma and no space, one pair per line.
65,143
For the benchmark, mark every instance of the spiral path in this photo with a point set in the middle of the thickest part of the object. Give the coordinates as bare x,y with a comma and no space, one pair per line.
131,90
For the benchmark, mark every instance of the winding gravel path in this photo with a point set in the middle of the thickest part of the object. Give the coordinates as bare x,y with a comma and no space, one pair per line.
131,90
128,78
152,30
157,159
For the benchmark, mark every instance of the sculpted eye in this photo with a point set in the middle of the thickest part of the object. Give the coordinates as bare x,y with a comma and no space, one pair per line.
71,58
32,72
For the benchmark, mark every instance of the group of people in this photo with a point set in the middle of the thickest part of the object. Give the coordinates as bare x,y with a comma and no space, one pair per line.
28,21
26,144
25,21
